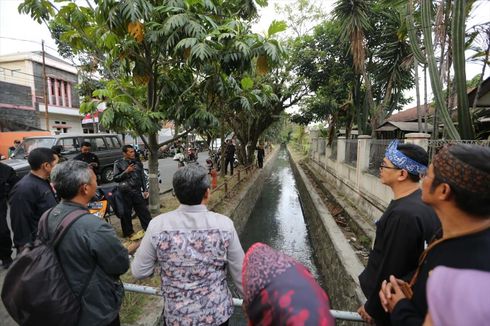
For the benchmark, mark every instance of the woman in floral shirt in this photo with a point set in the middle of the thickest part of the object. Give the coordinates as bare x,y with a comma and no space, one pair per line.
193,248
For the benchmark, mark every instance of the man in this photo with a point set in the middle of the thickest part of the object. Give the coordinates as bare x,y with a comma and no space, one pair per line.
13,148
260,155
91,255
88,157
32,196
193,247
230,155
457,186
404,229
128,172
8,178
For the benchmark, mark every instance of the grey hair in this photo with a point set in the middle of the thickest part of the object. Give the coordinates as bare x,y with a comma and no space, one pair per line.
190,184
67,177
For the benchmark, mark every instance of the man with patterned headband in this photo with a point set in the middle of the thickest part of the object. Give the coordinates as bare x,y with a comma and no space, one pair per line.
457,186
403,230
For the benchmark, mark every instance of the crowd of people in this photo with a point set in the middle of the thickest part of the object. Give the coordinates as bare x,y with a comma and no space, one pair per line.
429,263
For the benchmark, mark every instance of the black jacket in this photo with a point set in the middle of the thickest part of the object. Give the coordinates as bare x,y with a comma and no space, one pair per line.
89,158
136,180
8,178
29,199
93,258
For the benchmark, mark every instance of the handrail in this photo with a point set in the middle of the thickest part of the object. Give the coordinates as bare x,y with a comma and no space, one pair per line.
337,314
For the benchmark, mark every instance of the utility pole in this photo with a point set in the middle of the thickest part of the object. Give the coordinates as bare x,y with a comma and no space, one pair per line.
46,115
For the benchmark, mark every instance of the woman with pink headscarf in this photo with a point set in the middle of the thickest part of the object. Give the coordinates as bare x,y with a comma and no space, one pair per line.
278,290
458,297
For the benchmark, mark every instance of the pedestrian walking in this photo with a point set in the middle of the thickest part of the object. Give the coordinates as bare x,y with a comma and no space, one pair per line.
260,155
193,248
132,186
32,196
8,178
229,156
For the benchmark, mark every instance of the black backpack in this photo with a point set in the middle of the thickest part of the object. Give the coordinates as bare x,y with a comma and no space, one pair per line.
36,291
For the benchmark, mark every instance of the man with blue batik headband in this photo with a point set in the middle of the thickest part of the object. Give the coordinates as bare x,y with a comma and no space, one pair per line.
403,230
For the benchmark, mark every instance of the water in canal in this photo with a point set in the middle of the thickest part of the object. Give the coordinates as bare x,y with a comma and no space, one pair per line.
277,220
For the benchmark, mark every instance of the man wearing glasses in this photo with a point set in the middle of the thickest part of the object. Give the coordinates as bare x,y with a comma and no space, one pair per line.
404,229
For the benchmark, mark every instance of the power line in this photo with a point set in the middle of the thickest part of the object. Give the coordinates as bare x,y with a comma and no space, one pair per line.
30,41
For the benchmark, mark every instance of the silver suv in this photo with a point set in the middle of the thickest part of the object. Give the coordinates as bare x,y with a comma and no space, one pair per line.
107,147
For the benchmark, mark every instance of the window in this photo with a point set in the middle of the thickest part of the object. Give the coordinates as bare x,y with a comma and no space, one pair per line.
70,145
59,92
113,142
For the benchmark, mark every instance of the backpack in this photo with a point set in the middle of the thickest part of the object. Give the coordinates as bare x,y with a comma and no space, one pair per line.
35,290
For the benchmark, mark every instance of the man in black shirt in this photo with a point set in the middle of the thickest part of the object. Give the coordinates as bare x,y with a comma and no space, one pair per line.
8,178
230,155
88,157
32,196
404,229
457,186
128,172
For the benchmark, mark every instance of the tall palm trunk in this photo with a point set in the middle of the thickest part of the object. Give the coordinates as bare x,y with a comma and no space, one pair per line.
153,175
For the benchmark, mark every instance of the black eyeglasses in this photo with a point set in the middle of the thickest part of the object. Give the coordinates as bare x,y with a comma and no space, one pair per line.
384,166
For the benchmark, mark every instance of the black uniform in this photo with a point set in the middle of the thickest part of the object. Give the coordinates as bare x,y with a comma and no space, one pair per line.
230,157
260,156
8,178
89,158
130,187
29,199
401,234
466,252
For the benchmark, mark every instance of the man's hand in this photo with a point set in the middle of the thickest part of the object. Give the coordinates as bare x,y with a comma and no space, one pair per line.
390,293
364,315
131,168
146,194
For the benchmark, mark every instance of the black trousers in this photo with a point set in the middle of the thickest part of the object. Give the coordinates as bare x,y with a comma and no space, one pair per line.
260,161
229,161
134,200
5,239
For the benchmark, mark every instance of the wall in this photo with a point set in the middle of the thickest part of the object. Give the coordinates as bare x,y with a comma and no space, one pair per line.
337,261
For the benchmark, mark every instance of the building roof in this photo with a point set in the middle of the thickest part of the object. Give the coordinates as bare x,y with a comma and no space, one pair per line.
403,126
36,56
410,114
483,99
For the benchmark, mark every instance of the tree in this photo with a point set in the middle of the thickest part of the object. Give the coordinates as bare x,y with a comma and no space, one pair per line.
155,54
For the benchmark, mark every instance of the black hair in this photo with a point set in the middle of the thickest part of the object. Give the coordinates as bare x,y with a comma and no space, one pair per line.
86,144
416,153
38,156
190,184
126,147
474,203
57,149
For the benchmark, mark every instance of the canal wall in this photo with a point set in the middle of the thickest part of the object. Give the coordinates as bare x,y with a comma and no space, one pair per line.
335,258
244,201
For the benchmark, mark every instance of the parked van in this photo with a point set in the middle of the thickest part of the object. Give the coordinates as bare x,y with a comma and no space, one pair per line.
107,147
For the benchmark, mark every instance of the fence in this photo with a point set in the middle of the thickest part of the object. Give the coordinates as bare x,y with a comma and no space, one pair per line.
376,154
333,154
351,152
437,144
337,314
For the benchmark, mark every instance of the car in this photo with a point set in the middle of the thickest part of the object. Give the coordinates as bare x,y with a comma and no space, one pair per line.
107,147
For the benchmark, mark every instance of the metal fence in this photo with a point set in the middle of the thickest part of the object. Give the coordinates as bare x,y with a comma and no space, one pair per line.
333,153
351,152
436,145
376,154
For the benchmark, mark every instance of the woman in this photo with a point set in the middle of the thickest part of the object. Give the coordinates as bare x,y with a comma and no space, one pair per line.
278,290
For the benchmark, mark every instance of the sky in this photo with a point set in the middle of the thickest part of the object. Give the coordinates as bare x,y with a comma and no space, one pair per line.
19,33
